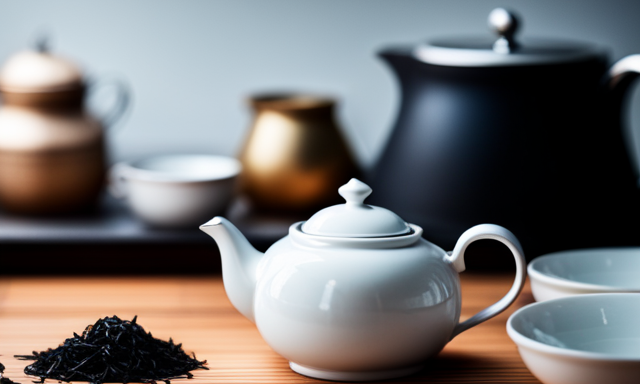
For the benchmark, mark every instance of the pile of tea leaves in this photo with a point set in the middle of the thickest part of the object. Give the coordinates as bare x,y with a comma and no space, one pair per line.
5,380
113,351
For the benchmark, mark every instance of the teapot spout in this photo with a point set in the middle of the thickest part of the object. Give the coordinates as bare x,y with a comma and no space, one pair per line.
239,263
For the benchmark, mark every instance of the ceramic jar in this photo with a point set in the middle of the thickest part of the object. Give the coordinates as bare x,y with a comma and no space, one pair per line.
52,150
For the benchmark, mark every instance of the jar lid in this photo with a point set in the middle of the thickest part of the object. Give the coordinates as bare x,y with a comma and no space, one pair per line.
354,218
38,70
504,50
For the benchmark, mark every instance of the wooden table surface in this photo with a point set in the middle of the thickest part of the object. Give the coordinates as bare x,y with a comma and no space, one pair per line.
37,313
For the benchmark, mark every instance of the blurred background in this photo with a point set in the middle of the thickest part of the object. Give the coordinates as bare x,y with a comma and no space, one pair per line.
192,64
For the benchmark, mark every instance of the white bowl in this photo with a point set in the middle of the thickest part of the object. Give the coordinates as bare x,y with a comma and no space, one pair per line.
583,339
176,190
568,273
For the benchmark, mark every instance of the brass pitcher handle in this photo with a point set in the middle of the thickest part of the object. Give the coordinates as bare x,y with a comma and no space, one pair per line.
503,235
122,99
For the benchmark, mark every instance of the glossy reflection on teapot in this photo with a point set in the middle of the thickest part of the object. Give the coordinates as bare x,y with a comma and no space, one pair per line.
295,156
355,293
52,150
521,132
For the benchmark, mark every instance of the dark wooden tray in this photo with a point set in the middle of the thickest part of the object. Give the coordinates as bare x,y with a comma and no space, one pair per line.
110,239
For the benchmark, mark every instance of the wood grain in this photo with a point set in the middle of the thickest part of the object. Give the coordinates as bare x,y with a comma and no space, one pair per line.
37,313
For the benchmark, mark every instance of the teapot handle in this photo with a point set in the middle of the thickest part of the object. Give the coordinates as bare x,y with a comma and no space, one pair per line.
503,235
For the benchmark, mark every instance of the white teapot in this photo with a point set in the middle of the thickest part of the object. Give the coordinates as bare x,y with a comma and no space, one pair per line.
354,293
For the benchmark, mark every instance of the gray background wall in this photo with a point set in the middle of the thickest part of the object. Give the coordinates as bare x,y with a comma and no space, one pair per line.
192,63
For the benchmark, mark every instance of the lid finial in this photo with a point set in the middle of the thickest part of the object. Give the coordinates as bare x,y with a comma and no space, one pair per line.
354,192
42,42
505,24
355,219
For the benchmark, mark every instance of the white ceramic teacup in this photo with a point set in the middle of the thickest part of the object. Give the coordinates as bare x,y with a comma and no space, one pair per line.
574,272
583,339
176,190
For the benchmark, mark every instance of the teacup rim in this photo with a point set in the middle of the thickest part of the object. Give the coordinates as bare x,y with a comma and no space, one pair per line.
132,170
523,341
563,282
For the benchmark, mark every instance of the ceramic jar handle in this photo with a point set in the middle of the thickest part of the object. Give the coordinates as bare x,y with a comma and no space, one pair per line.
121,102
503,235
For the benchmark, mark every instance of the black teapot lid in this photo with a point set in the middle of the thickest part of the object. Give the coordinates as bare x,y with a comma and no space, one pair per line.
506,50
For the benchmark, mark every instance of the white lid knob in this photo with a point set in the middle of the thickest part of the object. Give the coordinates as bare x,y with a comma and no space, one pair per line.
354,192
354,218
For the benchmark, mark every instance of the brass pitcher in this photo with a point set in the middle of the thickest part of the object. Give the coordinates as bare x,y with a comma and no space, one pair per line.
295,157
52,155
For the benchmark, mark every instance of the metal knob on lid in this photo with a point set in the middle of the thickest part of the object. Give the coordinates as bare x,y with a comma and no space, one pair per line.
480,51
505,24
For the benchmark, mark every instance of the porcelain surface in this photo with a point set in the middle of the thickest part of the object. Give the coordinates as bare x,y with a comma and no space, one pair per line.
360,309
354,308
582,339
568,273
176,190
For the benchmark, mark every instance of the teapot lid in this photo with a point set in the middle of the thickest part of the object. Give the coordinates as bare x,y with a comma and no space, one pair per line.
39,71
505,50
354,218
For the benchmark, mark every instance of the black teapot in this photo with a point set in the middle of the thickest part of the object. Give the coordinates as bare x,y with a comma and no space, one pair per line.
523,133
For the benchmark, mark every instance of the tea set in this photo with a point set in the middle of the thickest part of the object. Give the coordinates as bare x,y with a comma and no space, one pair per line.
355,293
346,294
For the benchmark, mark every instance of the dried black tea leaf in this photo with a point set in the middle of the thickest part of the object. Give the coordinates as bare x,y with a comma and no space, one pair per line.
113,351
5,380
